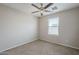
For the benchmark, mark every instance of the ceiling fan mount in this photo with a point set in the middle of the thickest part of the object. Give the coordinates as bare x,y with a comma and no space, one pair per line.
43,8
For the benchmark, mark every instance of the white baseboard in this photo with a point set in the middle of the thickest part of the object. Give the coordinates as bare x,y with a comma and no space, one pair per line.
62,44
19,45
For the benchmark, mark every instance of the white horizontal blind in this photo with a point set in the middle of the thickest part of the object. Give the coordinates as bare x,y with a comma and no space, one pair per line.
53,24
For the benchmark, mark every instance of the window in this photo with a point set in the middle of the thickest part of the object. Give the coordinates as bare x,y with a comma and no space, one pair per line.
53,24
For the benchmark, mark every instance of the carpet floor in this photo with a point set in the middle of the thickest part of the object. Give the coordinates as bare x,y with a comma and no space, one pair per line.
40,47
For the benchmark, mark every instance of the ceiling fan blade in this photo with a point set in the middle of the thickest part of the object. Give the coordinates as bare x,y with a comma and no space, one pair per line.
48,5
54,8
47,11
41,4
35,6
35,11
41,14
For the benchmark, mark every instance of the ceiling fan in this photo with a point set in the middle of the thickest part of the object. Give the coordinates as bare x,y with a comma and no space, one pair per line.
43,8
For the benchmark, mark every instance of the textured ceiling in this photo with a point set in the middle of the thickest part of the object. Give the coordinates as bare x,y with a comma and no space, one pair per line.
28,8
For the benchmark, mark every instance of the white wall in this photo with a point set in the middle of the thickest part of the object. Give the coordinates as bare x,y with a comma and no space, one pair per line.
68,28
16,28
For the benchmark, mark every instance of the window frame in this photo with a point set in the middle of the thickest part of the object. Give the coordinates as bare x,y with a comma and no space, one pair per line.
56,25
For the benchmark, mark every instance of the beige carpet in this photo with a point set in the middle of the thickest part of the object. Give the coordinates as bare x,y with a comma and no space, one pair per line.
40,47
